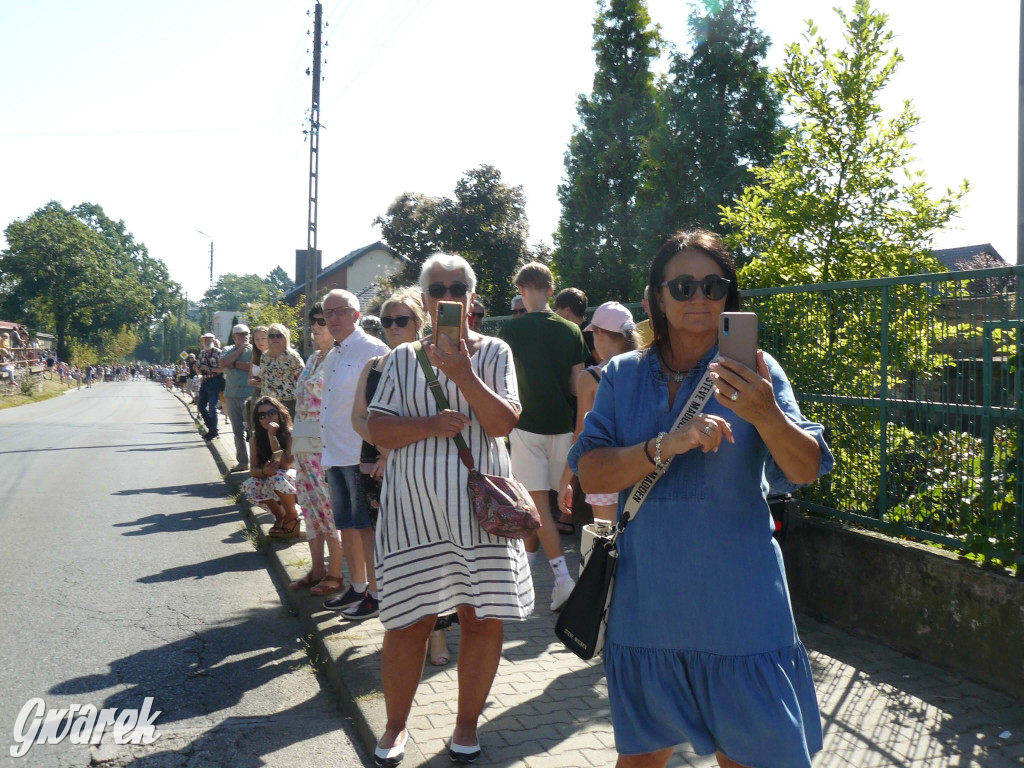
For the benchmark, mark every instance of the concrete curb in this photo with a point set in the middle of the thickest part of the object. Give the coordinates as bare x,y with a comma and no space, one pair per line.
356,686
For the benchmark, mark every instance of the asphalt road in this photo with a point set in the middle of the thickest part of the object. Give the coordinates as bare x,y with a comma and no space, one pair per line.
126,574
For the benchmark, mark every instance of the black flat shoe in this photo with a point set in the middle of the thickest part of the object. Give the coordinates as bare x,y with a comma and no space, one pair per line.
391,755
461,754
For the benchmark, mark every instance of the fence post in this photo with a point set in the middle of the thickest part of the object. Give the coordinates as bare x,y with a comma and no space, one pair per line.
988,351
883,411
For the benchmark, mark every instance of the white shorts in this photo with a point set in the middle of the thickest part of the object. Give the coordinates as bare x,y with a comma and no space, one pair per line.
538,460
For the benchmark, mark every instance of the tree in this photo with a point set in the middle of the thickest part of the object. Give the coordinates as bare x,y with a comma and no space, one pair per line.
485,223
840,202
600,244
234,292
719,117
65,270
279,280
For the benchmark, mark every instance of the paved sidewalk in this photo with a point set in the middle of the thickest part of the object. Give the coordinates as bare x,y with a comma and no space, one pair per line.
879,708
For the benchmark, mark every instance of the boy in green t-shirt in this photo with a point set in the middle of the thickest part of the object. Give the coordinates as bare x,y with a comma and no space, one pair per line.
548,352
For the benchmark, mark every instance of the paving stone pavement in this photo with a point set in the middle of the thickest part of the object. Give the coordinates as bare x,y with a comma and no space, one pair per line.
879,708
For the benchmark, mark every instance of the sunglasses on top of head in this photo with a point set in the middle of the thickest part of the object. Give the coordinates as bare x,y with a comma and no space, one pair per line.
455,290
684,287
401,321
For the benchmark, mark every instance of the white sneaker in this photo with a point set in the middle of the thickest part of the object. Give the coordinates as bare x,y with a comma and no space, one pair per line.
560,593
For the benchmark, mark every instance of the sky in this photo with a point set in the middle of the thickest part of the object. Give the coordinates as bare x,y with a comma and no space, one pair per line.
186,119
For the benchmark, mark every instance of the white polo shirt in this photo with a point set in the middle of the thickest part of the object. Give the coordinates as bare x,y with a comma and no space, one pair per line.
342,367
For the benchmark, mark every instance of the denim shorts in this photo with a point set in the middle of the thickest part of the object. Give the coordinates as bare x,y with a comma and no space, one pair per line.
347,499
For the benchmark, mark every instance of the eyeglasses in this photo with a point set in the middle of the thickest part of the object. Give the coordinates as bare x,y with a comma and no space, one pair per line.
275,335
684,287
455,290
318,320
337,312
401,321
477,315
518,312
266,414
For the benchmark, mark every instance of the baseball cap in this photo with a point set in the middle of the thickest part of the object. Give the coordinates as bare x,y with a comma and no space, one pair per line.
612,316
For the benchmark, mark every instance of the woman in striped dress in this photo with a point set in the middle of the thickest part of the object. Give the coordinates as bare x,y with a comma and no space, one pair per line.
432,555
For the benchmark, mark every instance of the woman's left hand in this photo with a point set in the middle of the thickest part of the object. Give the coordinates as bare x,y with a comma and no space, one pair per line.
272,427
749,394
455,363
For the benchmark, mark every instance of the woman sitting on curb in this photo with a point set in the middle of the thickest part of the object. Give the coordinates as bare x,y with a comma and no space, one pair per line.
271,484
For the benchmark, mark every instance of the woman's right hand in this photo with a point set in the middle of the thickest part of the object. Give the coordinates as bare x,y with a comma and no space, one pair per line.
704,431
270,468
448,423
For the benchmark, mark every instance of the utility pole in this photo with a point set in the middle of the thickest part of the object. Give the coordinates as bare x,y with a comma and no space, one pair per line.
211,254
314,176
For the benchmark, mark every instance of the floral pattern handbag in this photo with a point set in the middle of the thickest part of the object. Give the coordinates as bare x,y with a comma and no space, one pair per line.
501,505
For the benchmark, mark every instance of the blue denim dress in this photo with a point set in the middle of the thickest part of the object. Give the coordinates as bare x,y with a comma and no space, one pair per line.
702,646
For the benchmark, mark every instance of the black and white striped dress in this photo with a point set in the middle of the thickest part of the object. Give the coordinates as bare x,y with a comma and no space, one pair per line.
431,554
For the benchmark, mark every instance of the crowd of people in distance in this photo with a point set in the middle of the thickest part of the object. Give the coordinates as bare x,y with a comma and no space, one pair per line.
351,447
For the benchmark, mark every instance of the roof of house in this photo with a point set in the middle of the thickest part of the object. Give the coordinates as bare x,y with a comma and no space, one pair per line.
347,259
981,256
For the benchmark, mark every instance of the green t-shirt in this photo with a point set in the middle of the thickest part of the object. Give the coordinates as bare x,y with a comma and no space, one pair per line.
545,348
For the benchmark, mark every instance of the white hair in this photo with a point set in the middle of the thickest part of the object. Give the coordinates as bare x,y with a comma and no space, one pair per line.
341,292
450,263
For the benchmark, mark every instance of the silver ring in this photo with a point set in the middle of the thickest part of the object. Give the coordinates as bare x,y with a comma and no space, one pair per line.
734,395
707,429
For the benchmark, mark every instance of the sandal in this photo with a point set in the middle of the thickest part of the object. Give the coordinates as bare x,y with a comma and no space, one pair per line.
565,524
328,585
439,653
285,531
305,582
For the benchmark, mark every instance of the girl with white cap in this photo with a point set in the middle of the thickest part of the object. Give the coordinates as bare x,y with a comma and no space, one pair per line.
614,334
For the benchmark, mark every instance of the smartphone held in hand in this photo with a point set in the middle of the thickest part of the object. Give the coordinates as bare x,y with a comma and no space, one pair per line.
448,322
276,455
737,337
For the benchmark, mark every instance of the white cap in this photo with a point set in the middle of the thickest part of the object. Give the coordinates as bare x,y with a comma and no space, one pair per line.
207,335
612,316
240,328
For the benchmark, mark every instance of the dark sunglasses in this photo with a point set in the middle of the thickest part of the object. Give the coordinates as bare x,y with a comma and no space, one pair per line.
477,315
517,312
455,290
684,287
275,335
401,321
318,321
266,414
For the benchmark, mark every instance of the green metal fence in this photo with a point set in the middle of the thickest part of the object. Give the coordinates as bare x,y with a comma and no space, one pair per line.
914,379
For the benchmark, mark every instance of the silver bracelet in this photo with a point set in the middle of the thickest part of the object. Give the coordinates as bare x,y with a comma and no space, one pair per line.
657,450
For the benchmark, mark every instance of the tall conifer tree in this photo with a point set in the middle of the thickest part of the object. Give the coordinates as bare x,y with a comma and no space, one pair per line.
719,118
600,244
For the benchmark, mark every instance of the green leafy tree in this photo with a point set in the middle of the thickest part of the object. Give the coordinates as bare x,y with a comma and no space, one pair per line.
59,272
232,292
841,201
601,244
719,117
485,223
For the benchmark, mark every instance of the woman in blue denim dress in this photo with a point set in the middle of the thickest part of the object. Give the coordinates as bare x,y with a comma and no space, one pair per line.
702,646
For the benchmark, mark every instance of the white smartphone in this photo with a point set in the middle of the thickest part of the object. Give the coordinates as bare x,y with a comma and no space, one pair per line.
255,370
737,337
